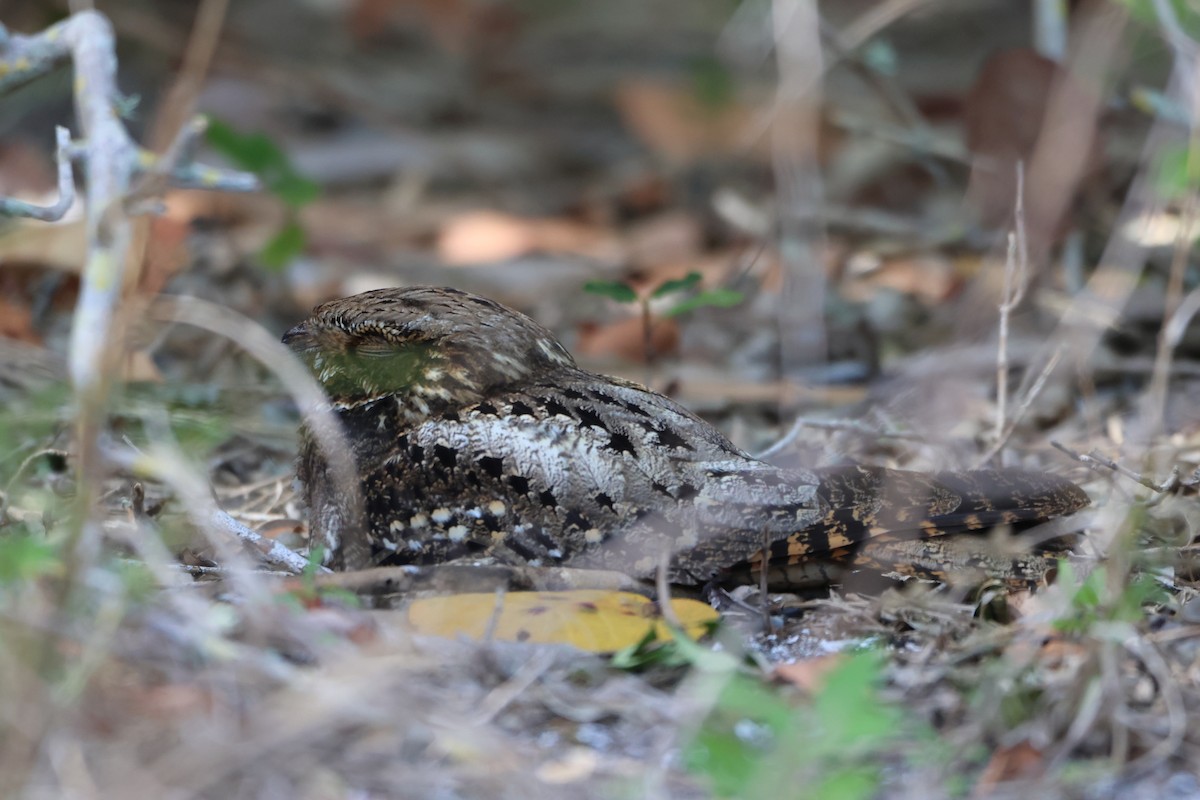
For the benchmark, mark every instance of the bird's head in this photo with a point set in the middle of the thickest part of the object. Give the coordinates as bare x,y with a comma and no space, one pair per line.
430,347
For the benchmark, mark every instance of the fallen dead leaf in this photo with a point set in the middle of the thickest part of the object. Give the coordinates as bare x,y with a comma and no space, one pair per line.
26,172
1005,116
61,246
578,764
672,122
1021,761
597,621
166,253
171,701
930,277
672,237
16,322
808,674
139,367
624,339
481,237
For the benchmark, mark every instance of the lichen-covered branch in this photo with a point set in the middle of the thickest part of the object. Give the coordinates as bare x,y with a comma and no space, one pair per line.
66,187
113,162
177,167
119,176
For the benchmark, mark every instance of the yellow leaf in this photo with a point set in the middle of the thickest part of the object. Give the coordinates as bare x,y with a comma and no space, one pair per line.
598,621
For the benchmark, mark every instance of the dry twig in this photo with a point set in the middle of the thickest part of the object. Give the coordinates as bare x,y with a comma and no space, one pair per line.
1173,484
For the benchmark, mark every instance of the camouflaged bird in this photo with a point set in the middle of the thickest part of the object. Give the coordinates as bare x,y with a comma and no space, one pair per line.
476,435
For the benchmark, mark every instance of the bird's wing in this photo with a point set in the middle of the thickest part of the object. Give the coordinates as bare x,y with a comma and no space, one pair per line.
567,476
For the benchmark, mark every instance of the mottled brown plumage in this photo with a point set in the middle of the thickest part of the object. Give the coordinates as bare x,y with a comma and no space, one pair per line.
476,434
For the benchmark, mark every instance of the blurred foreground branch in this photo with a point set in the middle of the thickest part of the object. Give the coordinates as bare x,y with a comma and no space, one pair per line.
120,177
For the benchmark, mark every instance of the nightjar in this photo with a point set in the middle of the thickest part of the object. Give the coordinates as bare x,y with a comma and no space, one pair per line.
476,435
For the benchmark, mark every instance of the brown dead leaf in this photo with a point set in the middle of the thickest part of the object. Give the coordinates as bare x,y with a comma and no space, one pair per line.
61,246
1058,652
481,237
1006,118
351,624
458,26
16,322
26,172
166,253
674,237
288,532
808,674
577,764
673,123
139,367
170,701
281,528
624,339
1021,761
249,221
644,193
930,277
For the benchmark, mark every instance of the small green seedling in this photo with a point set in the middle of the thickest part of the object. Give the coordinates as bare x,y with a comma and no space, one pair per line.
256,153
624,293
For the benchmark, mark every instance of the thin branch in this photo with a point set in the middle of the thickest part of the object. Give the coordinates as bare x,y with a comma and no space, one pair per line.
27,58
180,101
165,464
272,552
764,583
1016,278
1173,701
1026,401
849,425
1179,320
1174,483
299,382
878,17
12,207
176,167
798,186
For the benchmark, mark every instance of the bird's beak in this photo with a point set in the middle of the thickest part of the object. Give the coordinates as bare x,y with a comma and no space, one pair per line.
299,338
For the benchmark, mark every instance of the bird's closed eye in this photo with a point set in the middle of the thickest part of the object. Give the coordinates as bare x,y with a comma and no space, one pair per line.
375,349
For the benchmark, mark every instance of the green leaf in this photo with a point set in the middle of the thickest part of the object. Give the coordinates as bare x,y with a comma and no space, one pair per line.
286,245
859,783
852,718
712,83
256,153
249,151
720,298
646,653
613,290
199,433
1156,104
295,190
677,651
24,556
316,557
677,285
1185,14
1176,171
137,578
739,734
